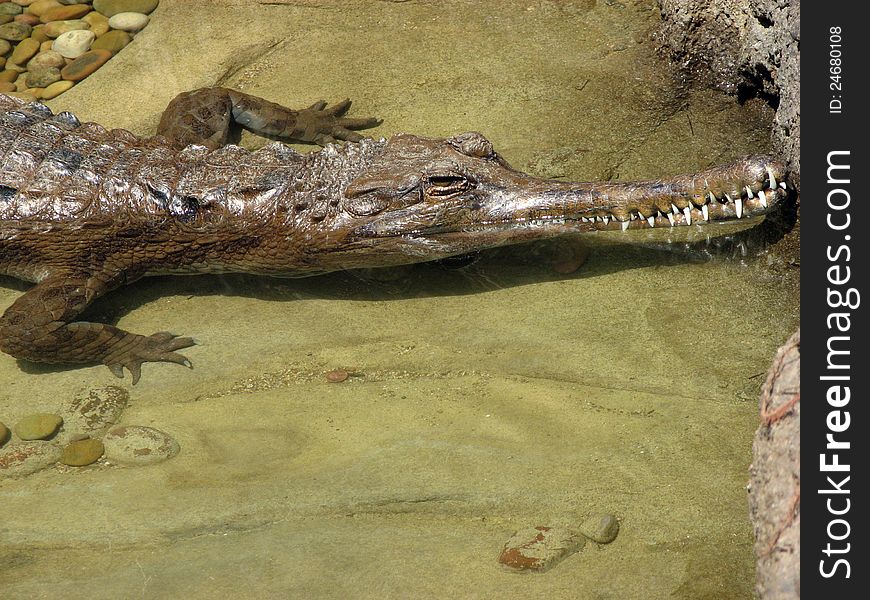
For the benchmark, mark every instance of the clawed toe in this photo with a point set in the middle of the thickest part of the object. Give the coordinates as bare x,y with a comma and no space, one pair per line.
159,347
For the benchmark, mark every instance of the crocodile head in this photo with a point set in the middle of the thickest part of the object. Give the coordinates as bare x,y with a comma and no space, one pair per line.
431,198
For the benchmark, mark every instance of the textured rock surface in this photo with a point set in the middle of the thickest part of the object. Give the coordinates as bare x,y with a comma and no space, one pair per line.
774,492
747,47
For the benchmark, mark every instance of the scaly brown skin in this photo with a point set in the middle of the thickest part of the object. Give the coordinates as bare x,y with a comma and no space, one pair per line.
84,210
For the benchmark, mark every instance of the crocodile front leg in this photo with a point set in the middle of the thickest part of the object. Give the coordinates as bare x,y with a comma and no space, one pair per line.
211,117
39,327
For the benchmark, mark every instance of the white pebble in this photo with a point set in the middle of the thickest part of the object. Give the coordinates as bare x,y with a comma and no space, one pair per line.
73,44
128,21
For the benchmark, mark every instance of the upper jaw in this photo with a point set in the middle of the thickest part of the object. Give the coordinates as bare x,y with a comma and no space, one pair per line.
748,187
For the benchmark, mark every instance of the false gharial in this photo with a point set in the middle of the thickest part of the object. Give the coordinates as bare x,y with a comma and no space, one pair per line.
85,210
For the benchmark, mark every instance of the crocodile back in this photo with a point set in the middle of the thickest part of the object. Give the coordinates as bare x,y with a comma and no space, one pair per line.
55,169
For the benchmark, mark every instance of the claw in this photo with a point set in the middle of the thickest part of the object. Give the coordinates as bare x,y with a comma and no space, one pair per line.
339,109
136,371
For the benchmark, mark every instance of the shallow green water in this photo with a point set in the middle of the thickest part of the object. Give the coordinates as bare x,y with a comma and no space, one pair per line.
483,400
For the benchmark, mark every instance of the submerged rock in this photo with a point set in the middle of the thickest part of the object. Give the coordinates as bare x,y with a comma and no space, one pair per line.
601,528
81,453
25,458
38,426
540,548
137,445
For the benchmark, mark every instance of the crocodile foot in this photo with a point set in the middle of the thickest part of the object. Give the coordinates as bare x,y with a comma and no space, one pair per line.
159,347
323,125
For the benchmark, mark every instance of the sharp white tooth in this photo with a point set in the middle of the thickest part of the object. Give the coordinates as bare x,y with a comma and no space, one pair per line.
606,220
652,221
640,214
772,178
671,219
763,198
782,184
738,204
706,212
748,192
584,219
687,212
675,209
728,198
625,225
633,217
712,197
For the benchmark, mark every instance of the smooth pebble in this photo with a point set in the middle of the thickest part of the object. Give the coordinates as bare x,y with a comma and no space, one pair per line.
81,453
112,41
37,426
24,51
63,13
15,32
4,431
111,8
58,28
128,21
42,77
40,6
73,44
85,64
46,59
55,89
601,528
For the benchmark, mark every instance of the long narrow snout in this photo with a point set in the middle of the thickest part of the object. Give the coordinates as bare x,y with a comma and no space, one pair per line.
749,187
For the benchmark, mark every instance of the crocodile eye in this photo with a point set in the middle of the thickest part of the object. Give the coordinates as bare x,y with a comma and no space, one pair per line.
446,185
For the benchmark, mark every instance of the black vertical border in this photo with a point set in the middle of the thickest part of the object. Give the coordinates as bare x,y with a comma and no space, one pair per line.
823,132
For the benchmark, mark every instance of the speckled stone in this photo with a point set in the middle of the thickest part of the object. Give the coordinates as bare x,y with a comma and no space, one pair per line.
5,86
15,32
19,459
58,28
540,548
112,41
6,19
8,75
37,426
601,528
97,409
81,453
2,62
64,13
46,59
8,8
5,434
129,21
24,51
136,445
5,47
42,77
111,8
73,44
55,89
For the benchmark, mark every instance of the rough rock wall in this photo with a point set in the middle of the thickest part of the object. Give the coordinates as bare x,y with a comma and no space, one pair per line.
774,488
745,47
